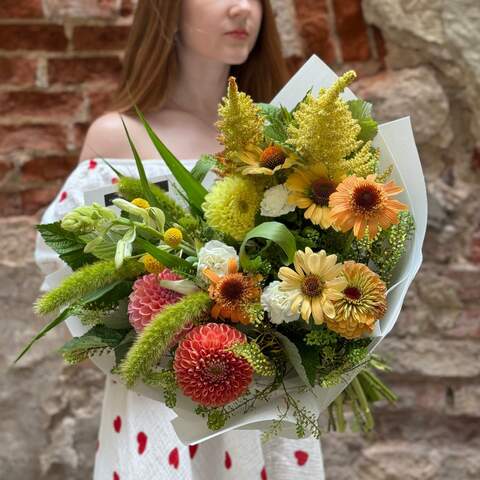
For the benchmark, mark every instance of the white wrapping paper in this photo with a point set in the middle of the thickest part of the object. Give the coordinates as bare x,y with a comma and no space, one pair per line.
397,145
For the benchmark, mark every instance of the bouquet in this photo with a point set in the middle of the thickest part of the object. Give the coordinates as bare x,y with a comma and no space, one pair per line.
256,303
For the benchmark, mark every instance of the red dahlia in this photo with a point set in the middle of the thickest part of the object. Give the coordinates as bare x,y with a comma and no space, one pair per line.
206,371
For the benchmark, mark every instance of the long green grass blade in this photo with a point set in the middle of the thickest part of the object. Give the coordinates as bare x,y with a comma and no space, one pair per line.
141,171
193,188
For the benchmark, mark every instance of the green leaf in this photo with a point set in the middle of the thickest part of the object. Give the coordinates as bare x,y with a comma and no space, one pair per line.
203,166
362,112
152,200
117,172
123,347
66,244
194,190
275,232
164,257
67,312
310,356
293,356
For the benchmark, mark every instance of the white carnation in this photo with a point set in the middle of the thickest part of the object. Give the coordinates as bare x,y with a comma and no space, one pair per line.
278,304
275,202
215,256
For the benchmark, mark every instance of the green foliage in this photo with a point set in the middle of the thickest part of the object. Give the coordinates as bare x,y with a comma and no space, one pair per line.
204,164
96,341
252,353
85,280
278,119
362,112
166,380
68,246
154,340
131,188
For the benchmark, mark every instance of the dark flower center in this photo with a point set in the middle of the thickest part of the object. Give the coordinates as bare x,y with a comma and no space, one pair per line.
232,288
242,205
353,293
312,286
321,191
272,157
366,197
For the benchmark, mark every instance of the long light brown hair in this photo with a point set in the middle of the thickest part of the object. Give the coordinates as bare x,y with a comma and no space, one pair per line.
150,62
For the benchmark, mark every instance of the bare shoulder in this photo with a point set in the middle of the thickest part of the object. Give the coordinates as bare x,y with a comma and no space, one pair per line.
106,137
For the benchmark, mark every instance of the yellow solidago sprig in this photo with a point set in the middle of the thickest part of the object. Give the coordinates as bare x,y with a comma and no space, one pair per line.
323,129
364,302
231,206
240,124
364,162
265,161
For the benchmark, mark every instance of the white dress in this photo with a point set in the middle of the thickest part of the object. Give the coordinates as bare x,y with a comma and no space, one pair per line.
136,439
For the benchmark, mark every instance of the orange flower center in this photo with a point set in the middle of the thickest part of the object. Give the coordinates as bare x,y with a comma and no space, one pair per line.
232,288
367,198
312,286
322,188
272,157
352,293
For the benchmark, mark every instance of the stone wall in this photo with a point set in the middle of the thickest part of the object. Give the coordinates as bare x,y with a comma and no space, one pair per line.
58,62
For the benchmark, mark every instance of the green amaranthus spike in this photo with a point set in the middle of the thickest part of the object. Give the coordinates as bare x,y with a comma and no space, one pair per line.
153,341
323,129
364,162
85,280
130,188
253,355
241,122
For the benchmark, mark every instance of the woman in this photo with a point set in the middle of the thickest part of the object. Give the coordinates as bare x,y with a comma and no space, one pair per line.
177,62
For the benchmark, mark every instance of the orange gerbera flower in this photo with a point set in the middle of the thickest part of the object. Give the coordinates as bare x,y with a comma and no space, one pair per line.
359,203
232,293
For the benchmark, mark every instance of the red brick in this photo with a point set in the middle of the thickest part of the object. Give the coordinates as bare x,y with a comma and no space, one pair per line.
48,168
467,324
10,204
33,37
80,132
82,9
21,9
379,45
352,30
312,17
80,70
96,38
33,199
40,105
5,168
100,101
128,7
294,63
475,249
40,138
18,71
475,162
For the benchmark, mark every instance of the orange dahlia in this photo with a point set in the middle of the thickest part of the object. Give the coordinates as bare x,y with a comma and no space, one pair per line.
206,369
364,302
232,293
362,203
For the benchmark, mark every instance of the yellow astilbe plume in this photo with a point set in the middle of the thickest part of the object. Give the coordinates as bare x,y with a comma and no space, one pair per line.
364,162
324,129
241,123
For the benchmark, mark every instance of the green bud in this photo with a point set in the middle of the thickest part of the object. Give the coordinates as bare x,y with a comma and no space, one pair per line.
85,219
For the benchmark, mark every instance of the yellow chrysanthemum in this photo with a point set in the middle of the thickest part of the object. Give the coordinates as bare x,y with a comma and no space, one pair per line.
265,161
173,237
364,302
315,284
231,206
240,123
140,202
359,203
324,129
310,190
152,265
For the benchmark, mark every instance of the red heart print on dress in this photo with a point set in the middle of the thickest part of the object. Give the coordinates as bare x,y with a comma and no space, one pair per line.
173,458
116,476
302,457
114,180
263,474
228,461
63,196
142,442
92,164
117,424
193,450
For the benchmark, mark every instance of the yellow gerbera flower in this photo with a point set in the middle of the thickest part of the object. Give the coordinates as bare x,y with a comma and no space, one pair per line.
360,202
311,189
266,161
364,302
315,283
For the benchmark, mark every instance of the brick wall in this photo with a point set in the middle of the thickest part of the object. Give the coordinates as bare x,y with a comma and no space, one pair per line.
58,62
